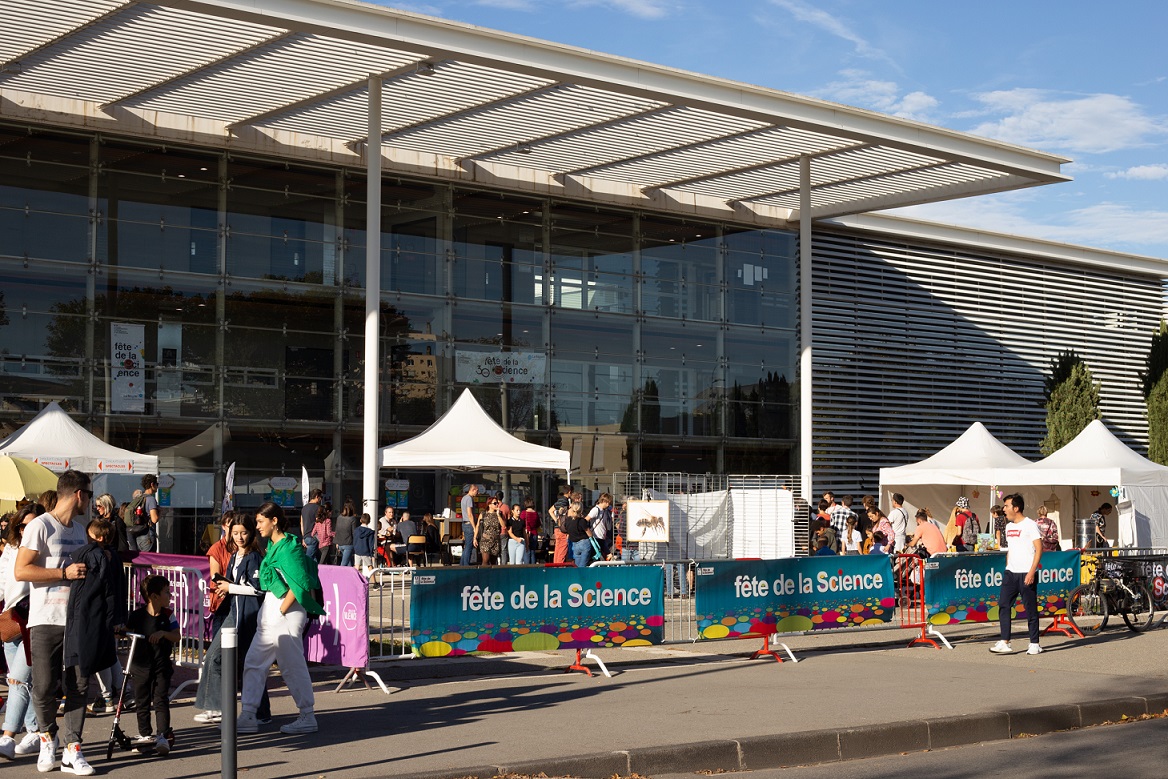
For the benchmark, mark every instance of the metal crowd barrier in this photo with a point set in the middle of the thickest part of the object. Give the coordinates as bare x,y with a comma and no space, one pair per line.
389,614
187,593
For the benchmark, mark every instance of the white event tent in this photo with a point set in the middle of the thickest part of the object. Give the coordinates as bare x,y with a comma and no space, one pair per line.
465,438
1081,475
55,441
971,463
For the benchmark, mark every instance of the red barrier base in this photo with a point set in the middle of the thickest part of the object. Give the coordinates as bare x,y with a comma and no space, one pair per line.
766,651
923,638
578,665
1063,625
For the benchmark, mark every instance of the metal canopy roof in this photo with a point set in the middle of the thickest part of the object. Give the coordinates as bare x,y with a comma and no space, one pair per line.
291,77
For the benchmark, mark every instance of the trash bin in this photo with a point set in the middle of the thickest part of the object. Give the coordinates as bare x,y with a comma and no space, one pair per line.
1085,533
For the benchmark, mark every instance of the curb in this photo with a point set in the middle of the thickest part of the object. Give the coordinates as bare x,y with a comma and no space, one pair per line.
822,746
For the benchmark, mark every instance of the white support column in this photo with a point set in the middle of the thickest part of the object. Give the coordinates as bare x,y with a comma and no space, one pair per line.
372,299
805,331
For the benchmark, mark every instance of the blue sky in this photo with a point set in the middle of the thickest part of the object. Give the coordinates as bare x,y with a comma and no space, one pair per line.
1086,80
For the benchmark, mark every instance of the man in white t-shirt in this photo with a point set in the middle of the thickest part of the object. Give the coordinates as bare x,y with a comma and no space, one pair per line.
1023,553
44,560
898,518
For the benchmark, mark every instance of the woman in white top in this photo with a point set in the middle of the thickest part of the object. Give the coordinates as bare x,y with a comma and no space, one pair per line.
19,714
853,538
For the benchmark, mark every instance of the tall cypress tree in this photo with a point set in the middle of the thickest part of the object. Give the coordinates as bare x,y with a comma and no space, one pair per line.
1154,383
1073,403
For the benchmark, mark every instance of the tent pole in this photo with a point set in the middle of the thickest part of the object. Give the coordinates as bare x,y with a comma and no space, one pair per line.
372,298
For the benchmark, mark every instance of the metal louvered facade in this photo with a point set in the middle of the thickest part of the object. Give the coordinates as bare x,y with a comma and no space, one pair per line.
914,341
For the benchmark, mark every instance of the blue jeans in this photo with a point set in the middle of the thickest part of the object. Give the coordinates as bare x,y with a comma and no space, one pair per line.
516,551
346,555
1013,586
311,547
467,542
582,552
19,714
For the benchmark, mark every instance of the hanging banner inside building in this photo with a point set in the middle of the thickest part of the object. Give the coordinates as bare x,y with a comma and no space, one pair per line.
127,368
283,492
499,367
964,587
747,598
457,611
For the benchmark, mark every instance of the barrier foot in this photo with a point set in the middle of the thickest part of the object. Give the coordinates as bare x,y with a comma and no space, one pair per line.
579,664
934,632
923,638
1063,625
603,668
766,651
362,675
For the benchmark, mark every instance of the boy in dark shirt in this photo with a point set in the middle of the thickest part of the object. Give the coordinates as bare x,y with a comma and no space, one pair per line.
150,667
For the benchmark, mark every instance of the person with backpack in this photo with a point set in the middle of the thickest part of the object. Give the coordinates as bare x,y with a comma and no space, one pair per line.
142,516
600,520
291,587
968,526
1049,529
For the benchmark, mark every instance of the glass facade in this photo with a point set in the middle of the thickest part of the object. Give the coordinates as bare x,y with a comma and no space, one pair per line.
649,342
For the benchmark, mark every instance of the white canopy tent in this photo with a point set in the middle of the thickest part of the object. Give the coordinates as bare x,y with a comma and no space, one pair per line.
55,441
1081,475
971,463
465,438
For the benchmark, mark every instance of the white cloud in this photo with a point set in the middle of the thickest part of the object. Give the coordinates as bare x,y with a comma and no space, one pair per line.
805,12
1142,173
858,88
1090,123
645,9
1105,225
509,5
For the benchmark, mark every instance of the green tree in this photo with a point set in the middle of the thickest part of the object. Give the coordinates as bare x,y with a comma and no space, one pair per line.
1158,421
1060,370
1156,363
1073,404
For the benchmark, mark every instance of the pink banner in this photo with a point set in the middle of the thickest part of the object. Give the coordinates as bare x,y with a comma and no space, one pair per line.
340,637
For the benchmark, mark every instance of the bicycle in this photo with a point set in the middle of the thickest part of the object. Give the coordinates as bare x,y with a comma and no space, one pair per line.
1117,586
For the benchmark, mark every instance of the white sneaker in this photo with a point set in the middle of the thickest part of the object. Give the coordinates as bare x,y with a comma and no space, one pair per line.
48,752
305,723
7,747
29,744
73,762
209,717
161,746
246,723
1002,648
1034,649
143,744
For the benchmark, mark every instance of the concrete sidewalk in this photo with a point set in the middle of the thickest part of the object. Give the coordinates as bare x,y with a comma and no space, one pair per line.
686,708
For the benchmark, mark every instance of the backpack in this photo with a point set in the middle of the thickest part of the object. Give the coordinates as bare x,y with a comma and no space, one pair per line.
970,530
138,524
1049,530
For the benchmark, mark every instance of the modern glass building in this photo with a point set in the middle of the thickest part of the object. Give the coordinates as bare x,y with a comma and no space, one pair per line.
654,270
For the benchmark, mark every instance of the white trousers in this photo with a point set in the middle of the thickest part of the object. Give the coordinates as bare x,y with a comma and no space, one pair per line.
278,638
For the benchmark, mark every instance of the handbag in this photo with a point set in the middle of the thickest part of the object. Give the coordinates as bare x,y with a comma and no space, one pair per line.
14,621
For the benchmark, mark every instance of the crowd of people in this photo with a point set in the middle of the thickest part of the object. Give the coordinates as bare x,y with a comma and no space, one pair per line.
837,528
63,609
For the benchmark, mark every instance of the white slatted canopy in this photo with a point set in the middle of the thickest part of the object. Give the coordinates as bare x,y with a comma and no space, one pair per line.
291,77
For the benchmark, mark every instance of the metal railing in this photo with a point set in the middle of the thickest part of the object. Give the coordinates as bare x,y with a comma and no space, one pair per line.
389,614
188,601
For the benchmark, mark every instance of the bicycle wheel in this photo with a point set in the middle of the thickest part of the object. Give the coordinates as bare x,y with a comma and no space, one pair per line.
1087,609
1142,612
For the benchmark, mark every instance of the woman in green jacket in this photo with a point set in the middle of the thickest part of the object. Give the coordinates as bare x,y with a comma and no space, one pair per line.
288,579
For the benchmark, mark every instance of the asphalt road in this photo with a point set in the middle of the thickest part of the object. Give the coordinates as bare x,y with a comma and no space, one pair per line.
1136,750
